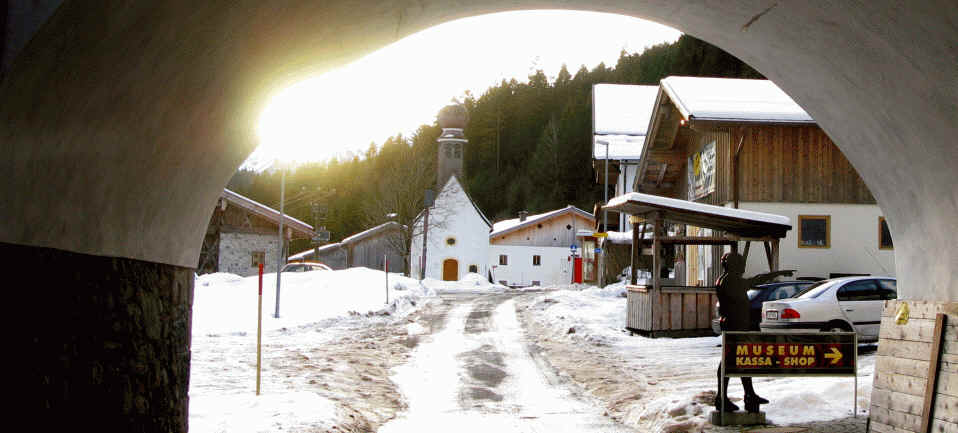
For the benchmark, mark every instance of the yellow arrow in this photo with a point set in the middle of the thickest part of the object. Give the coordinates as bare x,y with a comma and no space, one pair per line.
835,356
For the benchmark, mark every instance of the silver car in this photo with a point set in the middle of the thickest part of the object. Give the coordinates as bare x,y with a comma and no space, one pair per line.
836,305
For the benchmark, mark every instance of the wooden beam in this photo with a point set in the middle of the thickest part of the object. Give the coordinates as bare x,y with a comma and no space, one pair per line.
656,253
931,383
636,250
775,255
735,172
658,180
768,255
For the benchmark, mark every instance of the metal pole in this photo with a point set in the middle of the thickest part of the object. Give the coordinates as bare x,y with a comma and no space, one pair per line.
605,218
279,254
722,390
386,269
855,410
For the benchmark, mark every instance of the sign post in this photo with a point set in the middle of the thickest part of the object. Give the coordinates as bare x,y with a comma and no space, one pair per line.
763,354
259,330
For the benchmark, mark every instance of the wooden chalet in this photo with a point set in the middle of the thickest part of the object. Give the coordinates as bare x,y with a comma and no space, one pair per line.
746,144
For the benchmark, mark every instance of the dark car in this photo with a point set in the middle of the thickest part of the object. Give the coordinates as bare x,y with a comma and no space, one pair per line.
761,293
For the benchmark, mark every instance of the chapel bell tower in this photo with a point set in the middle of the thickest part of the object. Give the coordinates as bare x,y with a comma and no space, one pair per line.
452,143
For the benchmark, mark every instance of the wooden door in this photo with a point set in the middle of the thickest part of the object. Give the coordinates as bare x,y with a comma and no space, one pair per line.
450,270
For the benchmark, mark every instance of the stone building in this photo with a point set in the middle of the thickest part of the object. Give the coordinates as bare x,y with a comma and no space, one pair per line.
243,233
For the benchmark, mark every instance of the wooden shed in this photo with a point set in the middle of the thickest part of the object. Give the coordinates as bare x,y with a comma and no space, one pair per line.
660,307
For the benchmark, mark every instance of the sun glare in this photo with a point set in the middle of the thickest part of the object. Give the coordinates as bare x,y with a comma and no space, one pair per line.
402,86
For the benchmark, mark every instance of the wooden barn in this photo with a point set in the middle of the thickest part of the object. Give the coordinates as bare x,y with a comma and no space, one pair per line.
370,248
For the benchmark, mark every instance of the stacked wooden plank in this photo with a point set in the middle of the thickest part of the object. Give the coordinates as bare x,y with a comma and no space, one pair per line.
907,362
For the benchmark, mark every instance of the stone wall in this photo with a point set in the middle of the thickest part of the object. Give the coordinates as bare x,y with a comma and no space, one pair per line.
236,252
902,367
106,341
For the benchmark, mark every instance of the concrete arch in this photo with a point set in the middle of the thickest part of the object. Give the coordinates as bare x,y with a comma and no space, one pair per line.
127,118
121,121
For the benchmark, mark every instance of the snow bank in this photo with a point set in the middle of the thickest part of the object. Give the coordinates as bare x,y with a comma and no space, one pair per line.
249,413
676,377
226,303
471,282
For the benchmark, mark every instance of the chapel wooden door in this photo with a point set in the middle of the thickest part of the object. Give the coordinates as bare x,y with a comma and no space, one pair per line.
450,270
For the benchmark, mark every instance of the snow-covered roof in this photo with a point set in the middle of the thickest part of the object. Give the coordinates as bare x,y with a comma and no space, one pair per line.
309,253
733,99
736,221
506,226
364,234
621,115
623,109
621,147
266,211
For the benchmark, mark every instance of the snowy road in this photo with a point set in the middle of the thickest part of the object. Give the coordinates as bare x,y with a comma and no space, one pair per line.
480,374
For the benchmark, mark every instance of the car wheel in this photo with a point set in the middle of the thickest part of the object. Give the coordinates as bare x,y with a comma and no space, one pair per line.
836,327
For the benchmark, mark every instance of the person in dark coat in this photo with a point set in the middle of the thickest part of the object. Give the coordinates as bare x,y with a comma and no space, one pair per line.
732,290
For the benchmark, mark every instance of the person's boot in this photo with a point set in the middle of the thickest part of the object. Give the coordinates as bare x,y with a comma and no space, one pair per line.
753,403
729,406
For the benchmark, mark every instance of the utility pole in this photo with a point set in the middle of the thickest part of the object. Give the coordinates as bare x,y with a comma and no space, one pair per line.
279,255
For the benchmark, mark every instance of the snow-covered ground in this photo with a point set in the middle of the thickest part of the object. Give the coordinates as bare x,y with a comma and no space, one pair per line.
664,384
317,309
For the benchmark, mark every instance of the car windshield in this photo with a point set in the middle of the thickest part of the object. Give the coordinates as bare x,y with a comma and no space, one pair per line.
815,290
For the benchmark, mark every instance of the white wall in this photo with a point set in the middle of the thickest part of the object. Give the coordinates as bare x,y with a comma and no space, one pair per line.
555,268
452,216
854,241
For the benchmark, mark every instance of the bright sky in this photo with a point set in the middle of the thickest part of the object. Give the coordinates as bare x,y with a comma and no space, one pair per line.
404,85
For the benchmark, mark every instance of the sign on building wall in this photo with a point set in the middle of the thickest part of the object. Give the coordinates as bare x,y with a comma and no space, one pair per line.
701,172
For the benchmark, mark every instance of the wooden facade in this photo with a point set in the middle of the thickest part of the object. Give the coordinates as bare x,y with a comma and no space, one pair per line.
776,163
559,231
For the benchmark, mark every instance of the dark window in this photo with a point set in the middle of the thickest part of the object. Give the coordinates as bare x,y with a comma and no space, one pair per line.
568,227
450,241
536,283
814,231
536,260
863,290
503,260
503,282
884,235
888,289
257,258
473,268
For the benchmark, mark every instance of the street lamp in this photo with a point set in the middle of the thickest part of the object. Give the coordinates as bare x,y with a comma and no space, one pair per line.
605,213
279,254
